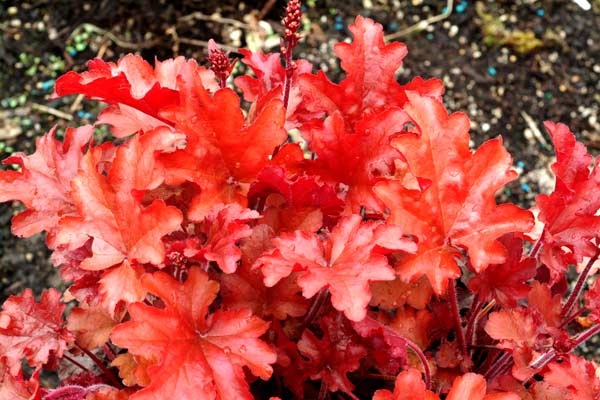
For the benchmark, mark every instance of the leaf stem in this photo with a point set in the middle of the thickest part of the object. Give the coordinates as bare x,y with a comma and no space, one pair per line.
289,72
322,391
473,317
315,308
108,373
460,334
427,371
75,362
574,296
537,246
497,366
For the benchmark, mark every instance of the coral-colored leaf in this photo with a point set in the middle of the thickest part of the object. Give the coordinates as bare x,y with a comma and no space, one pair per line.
32,330
370,85
121,284
15,388
112,214
592,300
132,83
224,152
91,325
301,203
335,354
197,356
356,156
505,282
224,227
245,289
44,182
577,375
409,385
569,213
514,328
346,262
458,208
473,387
387,347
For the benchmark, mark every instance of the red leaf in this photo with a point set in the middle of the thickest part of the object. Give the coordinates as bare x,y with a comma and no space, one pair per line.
15,388
302,203
592,300
44,182
245,289
357,156
473,387
121,284
111,212
224,227
268,84
458,208
370,85
409,386
575,374
346,262
132,84
569,212
197,356
387,348
32,330
505,282
334,355
514,328
91,325
224,153
390,295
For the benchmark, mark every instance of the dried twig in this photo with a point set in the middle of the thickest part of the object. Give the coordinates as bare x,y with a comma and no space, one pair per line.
204,43
419,26
534,129
51,111
115,39
213,18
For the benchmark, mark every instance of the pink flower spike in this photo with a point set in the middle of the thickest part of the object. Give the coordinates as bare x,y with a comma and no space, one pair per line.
220,63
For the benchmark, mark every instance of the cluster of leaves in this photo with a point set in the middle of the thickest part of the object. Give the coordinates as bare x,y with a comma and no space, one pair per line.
205,248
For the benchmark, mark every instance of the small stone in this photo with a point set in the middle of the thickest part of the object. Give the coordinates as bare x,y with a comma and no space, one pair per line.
12,10
453,31
492,71
485,127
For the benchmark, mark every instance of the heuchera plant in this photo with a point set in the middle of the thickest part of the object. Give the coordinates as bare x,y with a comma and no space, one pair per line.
212,256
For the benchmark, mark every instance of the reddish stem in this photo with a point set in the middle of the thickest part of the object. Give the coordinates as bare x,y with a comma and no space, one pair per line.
322,391
460,334
584,336
76,363
497,366
572,317
108,373
537,246
315,308
289,71
574,296
108,352
473,317
414,347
